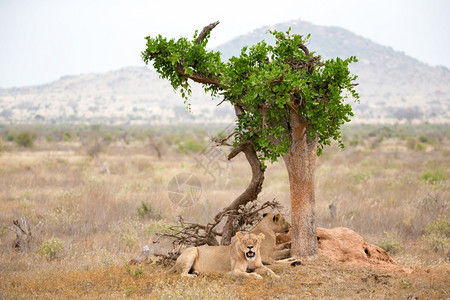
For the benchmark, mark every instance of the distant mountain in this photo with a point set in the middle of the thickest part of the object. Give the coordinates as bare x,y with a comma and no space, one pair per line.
392,86
130,95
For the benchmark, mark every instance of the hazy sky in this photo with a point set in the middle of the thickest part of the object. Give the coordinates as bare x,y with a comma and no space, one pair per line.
43,40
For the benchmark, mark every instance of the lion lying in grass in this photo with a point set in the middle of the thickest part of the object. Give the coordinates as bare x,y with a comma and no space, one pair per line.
242,256
270,225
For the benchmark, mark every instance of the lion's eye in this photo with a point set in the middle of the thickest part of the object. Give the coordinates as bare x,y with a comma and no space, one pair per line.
254,241
245,242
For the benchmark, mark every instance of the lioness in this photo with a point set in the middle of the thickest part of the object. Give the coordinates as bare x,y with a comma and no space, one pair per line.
242,256
270,225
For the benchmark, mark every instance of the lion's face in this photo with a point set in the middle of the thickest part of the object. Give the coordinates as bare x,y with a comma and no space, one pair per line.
249,244
278,223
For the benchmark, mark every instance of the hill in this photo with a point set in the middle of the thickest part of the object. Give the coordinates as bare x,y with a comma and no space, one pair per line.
129,95
392,86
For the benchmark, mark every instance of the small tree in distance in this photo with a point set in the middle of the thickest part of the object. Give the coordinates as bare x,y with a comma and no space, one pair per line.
289,103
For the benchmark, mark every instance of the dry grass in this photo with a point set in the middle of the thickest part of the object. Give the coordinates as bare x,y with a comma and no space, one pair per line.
319,279
376,184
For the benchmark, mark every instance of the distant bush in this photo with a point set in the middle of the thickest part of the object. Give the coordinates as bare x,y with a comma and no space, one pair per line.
421,147
413,144
376,142
434,176
437,234
67,137
390,243
52,248
10,137
2,145
190,146
424,139
25,139
108,137
94,148
354,142
360,176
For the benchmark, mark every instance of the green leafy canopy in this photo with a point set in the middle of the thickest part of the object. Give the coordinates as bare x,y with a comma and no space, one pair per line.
268,83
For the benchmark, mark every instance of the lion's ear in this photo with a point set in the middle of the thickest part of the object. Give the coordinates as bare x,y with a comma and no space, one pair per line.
276,218
264,215
239,235
261,236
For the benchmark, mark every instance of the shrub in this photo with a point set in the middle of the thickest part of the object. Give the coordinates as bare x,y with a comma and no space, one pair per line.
52,248
65,219
421,147
354,142
133,273
157,227
94,148
376,142
129,291
411,143
424,139
108,137
190,146
434,176
2,145
24,139
67,137
3,230
146,210
360,176
437,234
10,137
390,243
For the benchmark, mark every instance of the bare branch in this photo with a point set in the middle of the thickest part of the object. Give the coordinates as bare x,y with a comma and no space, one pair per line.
205,31
224,99
244,217
220,142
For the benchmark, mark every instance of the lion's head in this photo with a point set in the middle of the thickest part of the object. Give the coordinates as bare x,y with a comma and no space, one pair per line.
276,222
250,244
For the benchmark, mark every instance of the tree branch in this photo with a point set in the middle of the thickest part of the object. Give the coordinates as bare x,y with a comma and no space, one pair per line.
198,77
205,31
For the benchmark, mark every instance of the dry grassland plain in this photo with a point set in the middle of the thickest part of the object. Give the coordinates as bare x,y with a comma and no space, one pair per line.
94,196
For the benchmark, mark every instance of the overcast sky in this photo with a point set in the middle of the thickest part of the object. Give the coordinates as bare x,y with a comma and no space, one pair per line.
43,40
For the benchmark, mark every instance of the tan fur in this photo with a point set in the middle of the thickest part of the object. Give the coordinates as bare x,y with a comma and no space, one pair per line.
270,225
233,259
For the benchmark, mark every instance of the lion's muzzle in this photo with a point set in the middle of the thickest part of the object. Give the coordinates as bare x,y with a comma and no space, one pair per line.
250,254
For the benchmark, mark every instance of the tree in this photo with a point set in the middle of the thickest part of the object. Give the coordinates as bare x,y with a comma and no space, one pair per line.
407,113
289,103
25,139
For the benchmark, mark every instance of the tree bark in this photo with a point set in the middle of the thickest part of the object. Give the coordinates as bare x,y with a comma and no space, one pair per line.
250,194
300,164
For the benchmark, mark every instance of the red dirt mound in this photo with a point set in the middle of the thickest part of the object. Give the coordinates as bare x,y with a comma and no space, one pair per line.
344,245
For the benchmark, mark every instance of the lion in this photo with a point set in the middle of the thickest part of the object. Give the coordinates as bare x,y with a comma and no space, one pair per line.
270,225
242,257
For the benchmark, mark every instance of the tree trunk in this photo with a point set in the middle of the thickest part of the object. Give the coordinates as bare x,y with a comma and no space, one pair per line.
300,163
250,194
